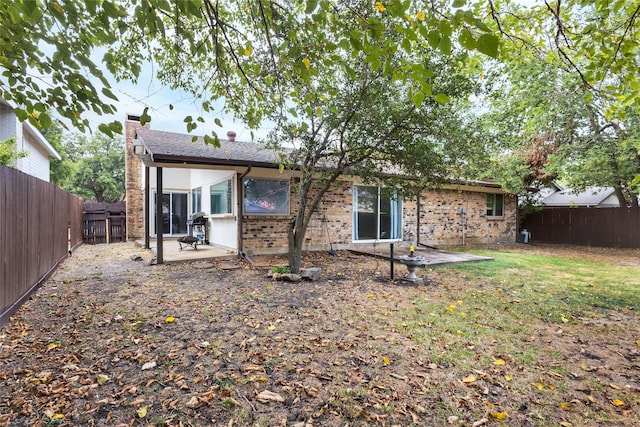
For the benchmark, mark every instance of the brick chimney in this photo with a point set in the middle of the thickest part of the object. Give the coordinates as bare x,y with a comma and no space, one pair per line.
231,136
133,181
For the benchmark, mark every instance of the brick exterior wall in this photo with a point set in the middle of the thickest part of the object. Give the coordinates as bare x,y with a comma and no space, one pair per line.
440,222
134,189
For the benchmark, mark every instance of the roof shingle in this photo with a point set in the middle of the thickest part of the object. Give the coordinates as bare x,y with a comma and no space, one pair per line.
179,148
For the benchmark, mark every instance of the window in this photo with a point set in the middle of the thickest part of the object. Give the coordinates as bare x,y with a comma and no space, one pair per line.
266,197
377,213
495,204
221,198
196,200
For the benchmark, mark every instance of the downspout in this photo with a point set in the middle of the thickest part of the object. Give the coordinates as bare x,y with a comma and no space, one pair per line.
241,213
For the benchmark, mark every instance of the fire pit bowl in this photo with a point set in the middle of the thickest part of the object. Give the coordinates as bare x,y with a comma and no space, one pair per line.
412,262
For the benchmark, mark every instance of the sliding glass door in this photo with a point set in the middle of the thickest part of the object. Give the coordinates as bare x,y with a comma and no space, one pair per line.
377,213
174,213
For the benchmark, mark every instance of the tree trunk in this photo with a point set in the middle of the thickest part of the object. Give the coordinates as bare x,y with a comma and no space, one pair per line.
295,248
620,195
306,207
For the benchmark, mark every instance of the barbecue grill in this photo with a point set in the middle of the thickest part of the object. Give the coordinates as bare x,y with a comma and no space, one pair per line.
197,227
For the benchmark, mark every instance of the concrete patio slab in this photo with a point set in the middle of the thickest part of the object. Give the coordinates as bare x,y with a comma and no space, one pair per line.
171,251
433,257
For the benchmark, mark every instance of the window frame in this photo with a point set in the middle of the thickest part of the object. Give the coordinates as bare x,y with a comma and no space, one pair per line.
230,198
494,206
395,199
196,200
278,212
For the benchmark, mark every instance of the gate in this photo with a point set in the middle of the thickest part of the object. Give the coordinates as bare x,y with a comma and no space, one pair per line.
104,222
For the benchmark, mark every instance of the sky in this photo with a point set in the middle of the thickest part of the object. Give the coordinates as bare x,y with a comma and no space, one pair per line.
149,92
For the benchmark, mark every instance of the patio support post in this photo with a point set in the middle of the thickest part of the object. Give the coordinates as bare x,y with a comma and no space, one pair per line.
147,198
240,206
159,223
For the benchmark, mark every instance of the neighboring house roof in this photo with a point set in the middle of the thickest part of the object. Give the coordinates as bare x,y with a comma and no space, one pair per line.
33,132
169,147
590,197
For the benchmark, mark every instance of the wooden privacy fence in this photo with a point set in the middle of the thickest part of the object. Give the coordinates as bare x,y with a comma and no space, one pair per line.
606,227
104,222
36,218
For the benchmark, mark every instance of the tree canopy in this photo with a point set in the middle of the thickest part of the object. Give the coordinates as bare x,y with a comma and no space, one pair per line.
563,106
245,52
92,167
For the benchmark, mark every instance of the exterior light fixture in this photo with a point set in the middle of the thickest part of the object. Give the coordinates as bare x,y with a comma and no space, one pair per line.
138,147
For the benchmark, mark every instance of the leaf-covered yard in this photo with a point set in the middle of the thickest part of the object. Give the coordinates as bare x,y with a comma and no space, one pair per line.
541,336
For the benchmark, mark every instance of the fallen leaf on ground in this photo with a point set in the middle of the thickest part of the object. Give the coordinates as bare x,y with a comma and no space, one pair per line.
469,379
193,403
269,396
149,365
142,412
498,415
617,402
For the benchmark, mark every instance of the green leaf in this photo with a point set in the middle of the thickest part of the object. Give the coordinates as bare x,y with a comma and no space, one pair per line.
107,92
145,117
488,44
441,98
466,39
418,98
311,6
445,28
218,122
445,45
406,45
104,128
212,140
433,38
459,3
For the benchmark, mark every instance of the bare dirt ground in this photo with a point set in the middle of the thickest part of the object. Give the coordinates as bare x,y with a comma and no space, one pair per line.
109,341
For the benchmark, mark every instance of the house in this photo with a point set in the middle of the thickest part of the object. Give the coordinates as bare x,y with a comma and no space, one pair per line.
247,200
28,139
591,197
